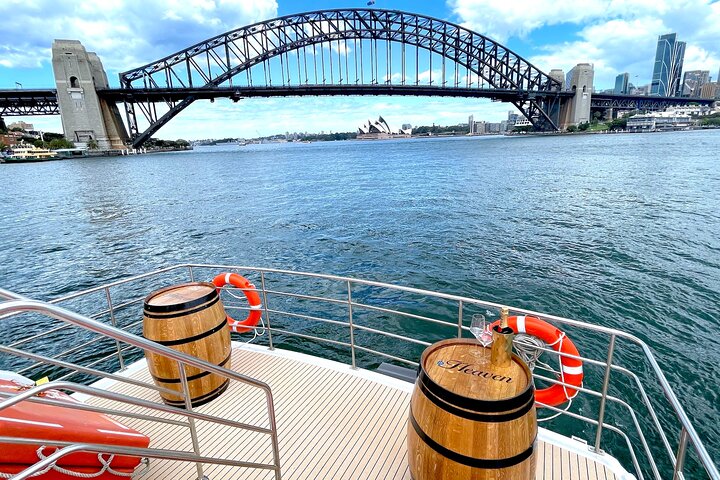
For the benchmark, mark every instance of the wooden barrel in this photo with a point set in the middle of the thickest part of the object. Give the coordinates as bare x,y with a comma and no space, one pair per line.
470,419
191,319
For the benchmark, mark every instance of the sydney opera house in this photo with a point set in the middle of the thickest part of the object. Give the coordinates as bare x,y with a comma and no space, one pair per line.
379,129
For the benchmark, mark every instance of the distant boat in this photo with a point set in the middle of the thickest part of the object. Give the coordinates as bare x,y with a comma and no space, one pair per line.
30,153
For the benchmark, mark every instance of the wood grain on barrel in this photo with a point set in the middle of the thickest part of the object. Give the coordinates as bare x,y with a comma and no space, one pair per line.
181,325
463,368
178,296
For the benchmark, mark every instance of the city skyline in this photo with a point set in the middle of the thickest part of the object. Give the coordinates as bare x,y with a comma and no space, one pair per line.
551,36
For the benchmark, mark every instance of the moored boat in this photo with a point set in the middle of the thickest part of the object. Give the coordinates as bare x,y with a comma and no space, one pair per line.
308,399
30,153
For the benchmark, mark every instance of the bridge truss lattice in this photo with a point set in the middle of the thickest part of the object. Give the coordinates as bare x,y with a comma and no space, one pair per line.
356,51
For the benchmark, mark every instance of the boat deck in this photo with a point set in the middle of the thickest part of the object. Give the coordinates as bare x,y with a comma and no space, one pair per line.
333,423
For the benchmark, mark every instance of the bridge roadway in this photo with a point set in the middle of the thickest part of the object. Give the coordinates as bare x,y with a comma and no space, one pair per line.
237,93
28,102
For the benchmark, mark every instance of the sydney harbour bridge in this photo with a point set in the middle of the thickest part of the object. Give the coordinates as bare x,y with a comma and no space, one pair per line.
331,52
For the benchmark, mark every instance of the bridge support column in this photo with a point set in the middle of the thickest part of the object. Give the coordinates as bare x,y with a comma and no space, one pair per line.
85,116
576,110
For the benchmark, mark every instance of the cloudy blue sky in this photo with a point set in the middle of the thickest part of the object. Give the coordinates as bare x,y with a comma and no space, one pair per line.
615,35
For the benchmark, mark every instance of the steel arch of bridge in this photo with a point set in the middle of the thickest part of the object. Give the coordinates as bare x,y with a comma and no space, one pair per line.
212,64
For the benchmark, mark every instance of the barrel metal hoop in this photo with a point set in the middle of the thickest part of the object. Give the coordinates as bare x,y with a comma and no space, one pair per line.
202,399
490,406
470,461
183,312
480,417
191,377
199,336
180,306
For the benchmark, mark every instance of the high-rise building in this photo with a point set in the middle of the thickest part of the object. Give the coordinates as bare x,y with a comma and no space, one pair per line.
668,66
710,91
621,84
693,82
471,124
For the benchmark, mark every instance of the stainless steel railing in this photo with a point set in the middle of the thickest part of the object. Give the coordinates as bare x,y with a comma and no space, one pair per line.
654,457
687,435
18,304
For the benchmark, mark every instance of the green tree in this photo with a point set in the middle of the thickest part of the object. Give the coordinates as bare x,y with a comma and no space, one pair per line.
3,127
523,129
572,129
92,144
618,124
583,126
49,136
58,143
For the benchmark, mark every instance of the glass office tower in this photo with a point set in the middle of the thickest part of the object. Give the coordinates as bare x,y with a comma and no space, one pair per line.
621,84
668,66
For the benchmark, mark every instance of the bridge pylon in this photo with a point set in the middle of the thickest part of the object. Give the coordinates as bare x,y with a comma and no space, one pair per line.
85,116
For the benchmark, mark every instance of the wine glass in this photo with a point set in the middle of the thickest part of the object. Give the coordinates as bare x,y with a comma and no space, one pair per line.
478,327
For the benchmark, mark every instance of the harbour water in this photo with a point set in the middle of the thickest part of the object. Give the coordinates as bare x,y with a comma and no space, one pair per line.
618,230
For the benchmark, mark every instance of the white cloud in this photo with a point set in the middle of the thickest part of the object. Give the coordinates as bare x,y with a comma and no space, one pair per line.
124,34
615,36
501,20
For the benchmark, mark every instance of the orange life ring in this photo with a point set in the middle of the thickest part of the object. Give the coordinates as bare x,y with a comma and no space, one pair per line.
252,296
571,368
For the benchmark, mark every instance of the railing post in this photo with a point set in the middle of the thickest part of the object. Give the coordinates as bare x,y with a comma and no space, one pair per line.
460,318
192,274
114,324
680,462
352,328
191,421
603,399
265,308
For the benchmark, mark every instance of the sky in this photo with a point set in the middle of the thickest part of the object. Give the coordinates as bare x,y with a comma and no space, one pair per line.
614,35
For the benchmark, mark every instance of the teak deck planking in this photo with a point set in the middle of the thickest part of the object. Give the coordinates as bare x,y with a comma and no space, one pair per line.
331,425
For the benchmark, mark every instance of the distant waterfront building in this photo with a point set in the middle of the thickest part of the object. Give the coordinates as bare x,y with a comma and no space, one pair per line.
493,127
512,117
657,122
693,82
379,129
26,127
471,124
621,84
669,58
641,90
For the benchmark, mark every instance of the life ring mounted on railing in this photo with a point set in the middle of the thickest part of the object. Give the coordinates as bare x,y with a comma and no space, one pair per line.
238,281
571,370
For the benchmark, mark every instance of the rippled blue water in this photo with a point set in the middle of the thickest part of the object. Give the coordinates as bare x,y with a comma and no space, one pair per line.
619,230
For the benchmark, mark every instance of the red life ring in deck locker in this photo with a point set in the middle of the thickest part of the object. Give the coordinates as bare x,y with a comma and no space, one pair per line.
571,368
252,296
49,422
